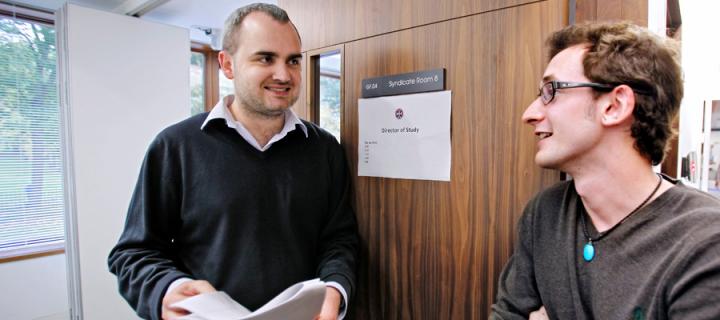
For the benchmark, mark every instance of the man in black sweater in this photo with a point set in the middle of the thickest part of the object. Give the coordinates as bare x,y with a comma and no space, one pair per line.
618,241
248,198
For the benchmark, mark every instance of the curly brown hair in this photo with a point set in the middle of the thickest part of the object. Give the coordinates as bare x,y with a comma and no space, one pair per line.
623,53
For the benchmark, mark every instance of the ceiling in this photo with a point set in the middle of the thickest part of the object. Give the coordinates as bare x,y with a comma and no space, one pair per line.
189,14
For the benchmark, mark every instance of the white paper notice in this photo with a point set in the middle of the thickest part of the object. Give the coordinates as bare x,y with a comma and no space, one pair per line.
406,136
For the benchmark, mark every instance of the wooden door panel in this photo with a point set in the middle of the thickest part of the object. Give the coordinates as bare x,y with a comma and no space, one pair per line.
434,250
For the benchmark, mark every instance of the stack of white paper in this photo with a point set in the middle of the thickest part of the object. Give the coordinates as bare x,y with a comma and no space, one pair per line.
301,301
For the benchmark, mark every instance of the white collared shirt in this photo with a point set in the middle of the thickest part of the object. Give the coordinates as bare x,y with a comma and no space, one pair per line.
222,111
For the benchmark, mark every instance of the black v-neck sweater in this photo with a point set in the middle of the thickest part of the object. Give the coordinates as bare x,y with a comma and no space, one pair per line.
208,205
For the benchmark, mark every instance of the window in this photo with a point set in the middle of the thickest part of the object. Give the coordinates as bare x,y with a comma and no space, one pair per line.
208,84
204,69
329,85
197,82
325,88
31,187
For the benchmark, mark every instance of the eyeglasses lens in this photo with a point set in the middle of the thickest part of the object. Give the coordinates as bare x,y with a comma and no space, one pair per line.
546,93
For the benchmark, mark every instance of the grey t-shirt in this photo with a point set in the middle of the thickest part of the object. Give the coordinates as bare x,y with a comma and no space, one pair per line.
661,263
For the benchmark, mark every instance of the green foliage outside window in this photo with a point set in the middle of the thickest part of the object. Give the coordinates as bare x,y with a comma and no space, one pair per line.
197,85
31,188
330,105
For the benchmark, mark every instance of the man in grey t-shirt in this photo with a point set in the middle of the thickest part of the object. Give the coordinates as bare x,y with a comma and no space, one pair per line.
618,241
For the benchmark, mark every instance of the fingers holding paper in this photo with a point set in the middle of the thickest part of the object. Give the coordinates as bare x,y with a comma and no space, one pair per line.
182,292
331,305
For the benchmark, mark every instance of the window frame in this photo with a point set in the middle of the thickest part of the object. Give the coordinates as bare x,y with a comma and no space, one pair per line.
313,85
46,18
211,72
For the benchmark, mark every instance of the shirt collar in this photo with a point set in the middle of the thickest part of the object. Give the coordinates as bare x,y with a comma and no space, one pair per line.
221,111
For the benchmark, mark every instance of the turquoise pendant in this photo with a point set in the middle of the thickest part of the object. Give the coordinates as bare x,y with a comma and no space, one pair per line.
588,252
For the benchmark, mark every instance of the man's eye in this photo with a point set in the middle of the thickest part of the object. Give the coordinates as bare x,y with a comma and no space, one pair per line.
266,59
294,61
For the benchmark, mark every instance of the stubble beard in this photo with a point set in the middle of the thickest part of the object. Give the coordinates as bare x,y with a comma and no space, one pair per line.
257,107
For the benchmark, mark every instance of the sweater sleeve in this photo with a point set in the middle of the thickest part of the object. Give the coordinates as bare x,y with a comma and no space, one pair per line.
339,238
143,259
694,293
517,290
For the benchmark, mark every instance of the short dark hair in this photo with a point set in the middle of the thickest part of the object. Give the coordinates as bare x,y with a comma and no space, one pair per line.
233,22
624,53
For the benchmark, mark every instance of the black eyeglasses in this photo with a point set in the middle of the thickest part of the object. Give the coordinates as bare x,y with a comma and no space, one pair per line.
547,90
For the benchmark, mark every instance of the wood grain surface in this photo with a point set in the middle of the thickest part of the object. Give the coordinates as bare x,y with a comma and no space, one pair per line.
328,22
434,250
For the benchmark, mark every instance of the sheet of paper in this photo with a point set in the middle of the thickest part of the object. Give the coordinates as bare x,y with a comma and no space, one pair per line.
213,305
301,301
406,136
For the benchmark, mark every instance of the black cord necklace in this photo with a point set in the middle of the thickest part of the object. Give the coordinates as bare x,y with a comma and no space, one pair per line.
589,249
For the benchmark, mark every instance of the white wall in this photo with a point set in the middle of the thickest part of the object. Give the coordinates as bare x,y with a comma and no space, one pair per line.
122,80
701,67
34,289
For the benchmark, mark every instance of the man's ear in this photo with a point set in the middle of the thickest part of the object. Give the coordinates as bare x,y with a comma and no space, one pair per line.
226,64
620,106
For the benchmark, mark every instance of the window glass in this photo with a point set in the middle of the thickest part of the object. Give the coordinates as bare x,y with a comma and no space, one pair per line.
31,187
330,69
197,83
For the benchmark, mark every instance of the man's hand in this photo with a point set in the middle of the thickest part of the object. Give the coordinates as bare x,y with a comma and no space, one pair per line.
331,305
182,292
539,314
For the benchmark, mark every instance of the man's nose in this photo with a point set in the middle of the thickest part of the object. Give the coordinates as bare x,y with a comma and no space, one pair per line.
534,112
281,72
